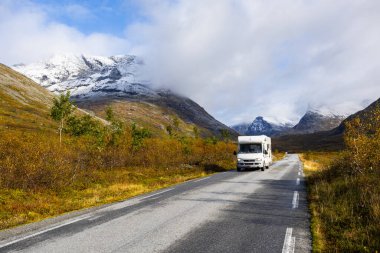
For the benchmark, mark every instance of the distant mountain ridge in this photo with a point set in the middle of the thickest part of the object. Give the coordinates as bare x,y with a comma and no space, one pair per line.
99,80
312,121
331,140
260,126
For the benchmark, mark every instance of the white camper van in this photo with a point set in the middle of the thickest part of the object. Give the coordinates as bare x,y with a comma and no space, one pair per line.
254,152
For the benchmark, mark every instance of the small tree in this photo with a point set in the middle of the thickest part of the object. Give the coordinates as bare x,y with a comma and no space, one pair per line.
225,134
116,127
61,110
176,122
138,136
196,132
169,129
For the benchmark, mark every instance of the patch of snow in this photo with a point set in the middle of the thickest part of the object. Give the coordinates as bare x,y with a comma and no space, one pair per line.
342,111
87,76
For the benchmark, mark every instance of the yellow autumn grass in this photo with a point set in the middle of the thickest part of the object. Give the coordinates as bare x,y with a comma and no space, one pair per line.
36,183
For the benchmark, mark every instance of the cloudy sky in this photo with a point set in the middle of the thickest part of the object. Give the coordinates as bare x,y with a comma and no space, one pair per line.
237,58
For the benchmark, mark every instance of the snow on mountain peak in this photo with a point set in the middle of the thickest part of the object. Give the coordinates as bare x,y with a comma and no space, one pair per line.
87,76
327,111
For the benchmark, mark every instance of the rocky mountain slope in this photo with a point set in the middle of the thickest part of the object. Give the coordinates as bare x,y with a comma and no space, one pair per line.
316,121
23,103
96,81
363,115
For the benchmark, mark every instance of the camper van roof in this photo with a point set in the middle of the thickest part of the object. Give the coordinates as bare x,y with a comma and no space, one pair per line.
253,139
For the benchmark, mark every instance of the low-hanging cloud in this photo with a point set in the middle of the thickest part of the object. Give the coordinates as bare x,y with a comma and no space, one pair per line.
246,58
237,58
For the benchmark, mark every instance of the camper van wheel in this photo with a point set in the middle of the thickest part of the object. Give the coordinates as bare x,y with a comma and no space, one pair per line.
262,168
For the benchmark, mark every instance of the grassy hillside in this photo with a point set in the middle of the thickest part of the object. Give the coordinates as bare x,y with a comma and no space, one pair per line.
96,163
150,116
23,103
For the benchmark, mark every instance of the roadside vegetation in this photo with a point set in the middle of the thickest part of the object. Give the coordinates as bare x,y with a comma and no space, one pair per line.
43,175
277,155
344,190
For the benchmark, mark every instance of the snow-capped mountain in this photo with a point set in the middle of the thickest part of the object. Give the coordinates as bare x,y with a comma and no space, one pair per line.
316,120
91,79
86,76
261,126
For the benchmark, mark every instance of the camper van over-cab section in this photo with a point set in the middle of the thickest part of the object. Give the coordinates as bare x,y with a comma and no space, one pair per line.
254,152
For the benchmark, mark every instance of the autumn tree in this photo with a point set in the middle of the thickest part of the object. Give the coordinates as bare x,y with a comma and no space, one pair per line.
61,110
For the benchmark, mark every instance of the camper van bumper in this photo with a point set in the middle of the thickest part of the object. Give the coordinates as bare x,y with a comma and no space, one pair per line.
250,165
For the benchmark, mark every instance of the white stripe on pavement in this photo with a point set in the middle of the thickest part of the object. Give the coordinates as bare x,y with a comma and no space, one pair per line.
201,179
43,231
298,181
289,242
295,200
156,194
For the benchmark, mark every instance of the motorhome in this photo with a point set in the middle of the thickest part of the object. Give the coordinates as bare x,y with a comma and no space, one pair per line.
254,152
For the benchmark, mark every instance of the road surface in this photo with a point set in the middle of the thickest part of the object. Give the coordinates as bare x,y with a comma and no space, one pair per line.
227,212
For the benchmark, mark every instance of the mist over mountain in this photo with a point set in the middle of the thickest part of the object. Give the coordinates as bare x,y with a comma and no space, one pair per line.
100,80
314,120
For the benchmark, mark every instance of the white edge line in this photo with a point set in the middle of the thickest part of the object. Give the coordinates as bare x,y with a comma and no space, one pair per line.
201,179
156,194
289,241
43,231
71,222
298,181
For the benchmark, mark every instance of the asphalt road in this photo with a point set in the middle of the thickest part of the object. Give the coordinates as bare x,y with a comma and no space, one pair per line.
228,212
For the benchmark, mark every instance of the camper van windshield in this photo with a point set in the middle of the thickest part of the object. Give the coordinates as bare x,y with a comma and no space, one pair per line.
250,148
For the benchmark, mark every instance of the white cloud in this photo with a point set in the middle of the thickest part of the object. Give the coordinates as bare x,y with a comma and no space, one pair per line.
246,58
237,58
29,34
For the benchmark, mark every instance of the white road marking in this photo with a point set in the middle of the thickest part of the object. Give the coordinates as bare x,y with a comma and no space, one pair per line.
156,194
295,200
124,204
43,231
91,218
298,181
95,217
299,173
289,242
201,179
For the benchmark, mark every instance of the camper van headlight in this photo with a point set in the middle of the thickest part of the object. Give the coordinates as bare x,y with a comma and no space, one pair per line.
259,159
239,160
